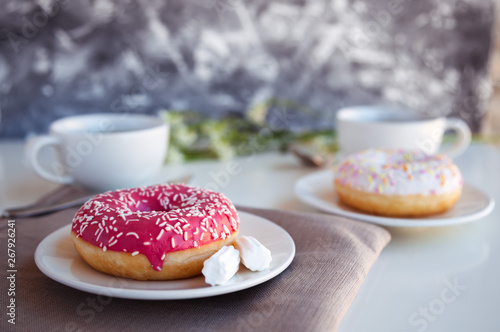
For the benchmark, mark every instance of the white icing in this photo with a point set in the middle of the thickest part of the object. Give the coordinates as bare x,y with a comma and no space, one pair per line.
405,173
221,266
253,254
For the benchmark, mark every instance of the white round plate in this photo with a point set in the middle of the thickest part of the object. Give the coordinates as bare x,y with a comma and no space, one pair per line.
317,190
57,258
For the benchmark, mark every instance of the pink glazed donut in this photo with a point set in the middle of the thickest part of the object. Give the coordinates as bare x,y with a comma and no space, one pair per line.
159,232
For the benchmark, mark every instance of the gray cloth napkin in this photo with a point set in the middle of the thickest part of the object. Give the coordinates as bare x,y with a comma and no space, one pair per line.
333,257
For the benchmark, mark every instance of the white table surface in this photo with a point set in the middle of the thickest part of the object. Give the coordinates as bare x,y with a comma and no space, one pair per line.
410,287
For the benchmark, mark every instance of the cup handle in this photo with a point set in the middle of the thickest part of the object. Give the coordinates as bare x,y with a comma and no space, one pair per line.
463,137
33,148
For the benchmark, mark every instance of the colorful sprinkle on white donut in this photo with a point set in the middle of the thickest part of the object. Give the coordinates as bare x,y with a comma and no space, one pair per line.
399,172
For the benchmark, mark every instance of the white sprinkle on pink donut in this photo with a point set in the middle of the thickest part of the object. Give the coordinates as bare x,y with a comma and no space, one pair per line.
154,220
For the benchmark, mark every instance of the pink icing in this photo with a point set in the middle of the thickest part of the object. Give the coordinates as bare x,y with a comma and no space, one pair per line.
155,220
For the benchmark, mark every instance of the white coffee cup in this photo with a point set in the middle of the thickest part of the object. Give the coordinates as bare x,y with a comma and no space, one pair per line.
364,127
103,151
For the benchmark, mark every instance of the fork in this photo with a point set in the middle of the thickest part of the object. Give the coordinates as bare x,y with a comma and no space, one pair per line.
40,207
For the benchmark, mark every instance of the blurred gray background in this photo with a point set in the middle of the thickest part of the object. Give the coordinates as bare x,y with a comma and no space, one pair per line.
64,57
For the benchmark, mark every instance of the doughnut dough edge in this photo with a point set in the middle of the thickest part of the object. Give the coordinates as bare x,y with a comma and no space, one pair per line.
397,206
177,265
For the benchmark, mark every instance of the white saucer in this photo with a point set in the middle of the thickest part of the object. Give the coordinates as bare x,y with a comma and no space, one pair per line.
57,258
316,189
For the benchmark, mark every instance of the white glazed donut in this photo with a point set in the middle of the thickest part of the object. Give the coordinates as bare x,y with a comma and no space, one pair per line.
159,232
398,182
